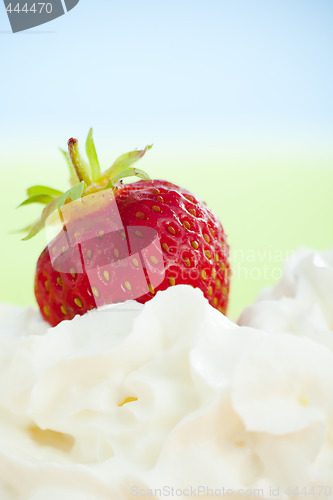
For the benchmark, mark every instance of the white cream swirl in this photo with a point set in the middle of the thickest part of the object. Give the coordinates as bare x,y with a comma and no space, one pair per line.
301,302
130,399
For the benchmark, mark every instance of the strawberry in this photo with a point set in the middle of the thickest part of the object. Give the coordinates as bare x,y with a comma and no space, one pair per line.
115,242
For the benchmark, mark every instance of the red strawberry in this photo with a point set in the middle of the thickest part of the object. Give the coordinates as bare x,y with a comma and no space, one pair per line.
120,242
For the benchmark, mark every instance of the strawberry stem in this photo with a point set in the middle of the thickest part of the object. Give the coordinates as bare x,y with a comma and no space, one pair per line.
77,161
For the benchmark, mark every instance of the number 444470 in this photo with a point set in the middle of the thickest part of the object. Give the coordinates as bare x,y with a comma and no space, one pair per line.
35,8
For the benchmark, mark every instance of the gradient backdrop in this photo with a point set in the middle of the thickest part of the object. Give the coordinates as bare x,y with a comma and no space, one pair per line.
235,95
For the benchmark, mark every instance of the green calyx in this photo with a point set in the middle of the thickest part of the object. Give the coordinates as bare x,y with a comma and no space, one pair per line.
85,178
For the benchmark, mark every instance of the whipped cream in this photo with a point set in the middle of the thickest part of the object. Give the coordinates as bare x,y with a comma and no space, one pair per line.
301,302
169,398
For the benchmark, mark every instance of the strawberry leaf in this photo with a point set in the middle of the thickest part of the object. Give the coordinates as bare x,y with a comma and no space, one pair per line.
124,162
51,207
38,198
129,172
73,194
35,190
92,156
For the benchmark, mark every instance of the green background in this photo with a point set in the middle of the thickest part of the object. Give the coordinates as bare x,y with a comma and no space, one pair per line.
268,208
